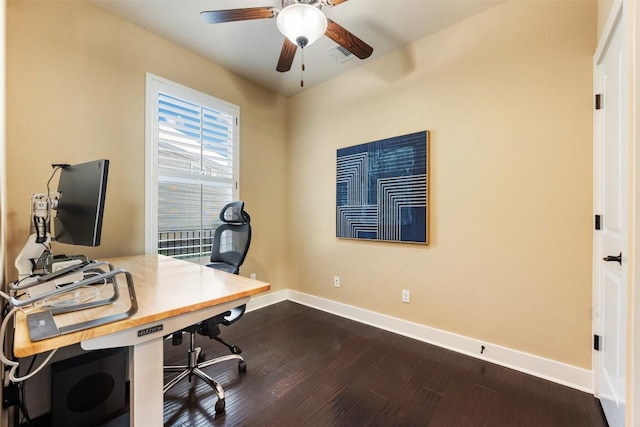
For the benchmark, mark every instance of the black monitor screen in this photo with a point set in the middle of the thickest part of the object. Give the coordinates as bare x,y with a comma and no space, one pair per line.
81,189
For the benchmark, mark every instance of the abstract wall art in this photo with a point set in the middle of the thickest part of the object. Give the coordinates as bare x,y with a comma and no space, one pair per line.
381,190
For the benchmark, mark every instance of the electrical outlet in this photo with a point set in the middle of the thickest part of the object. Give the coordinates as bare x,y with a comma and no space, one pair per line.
406,296
336,281
253,276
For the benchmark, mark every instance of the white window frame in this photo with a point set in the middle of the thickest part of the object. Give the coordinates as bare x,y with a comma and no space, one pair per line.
154,86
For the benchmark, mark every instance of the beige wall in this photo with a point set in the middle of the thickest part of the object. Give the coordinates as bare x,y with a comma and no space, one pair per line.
604,7
3,182
3,422
507,96
76,92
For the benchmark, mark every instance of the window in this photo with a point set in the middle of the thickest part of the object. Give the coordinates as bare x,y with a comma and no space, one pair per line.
191,167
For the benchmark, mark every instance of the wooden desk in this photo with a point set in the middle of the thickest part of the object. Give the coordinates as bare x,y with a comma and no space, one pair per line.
171,295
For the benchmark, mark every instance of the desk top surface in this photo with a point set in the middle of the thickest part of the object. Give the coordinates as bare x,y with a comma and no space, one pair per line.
165,287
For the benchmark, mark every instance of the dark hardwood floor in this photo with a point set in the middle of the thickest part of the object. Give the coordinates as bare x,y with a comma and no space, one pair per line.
310,368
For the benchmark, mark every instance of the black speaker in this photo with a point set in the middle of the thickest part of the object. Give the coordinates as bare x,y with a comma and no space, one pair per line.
90,389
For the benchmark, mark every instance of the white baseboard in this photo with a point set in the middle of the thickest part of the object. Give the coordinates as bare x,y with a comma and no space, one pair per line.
264,300
561,373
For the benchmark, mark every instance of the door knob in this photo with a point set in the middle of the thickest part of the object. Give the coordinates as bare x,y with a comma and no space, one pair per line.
617,258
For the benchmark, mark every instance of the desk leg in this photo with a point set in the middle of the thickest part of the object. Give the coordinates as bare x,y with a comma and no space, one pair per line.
147,400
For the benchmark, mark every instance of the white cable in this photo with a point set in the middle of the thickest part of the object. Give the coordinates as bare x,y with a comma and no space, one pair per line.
61,300
3,328
14,365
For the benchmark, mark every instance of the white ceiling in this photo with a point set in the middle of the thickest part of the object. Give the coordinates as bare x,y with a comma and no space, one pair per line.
251,48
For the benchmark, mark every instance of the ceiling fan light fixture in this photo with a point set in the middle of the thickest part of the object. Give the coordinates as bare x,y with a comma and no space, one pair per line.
301,23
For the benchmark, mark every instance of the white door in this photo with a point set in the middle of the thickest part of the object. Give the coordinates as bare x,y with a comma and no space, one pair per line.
611,204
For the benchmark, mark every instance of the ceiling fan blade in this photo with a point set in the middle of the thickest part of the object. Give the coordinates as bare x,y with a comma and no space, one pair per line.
287,54
335,2
347,40
230,15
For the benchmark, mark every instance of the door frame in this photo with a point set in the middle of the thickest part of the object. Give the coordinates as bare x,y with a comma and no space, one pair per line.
628,13
633,309
614,20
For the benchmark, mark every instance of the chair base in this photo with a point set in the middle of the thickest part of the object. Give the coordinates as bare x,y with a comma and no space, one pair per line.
194,367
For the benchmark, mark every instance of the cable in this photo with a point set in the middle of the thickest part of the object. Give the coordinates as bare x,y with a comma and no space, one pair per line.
22,401
3,329
56,168
42,259
22,405
41,210
61,300
14,365
40,225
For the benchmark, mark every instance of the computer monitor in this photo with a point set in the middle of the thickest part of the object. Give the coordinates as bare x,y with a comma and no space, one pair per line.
80,204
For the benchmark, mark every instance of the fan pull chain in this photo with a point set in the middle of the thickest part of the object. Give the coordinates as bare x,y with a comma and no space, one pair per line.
301,67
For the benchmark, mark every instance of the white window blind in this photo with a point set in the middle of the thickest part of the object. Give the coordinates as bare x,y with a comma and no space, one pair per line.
195,159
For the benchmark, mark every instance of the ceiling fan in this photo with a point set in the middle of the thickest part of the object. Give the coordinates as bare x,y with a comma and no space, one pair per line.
301,22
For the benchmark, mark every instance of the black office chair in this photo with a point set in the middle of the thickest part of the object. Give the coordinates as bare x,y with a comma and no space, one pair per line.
230,245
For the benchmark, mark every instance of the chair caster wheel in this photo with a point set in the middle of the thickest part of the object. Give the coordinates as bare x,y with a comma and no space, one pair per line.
242,366
235,349
220,406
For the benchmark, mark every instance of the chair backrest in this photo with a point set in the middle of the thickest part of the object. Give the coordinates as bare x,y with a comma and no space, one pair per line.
232,238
